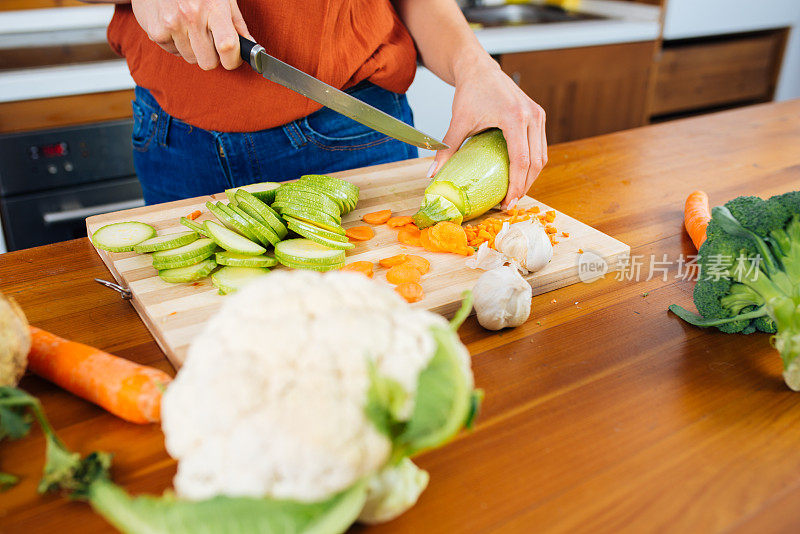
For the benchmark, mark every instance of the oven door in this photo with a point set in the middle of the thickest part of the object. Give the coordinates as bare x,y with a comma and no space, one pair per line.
37,219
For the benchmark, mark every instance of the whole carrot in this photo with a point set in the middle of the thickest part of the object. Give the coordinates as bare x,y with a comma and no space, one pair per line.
696,215
126,389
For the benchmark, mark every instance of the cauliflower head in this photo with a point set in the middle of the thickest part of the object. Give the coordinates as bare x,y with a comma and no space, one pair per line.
271,398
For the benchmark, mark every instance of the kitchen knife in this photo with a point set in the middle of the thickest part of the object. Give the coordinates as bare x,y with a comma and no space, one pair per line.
277,71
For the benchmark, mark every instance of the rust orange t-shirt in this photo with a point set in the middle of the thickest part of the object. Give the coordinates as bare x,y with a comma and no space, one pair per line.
341,42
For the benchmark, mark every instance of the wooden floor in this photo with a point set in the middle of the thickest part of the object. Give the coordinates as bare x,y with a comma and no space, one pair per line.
603,413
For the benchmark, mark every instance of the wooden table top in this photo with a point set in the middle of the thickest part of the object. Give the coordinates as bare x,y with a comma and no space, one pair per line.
603,412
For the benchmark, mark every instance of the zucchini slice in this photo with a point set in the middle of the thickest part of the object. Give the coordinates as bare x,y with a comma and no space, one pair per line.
233,221
235,259
327,234
229,279
190,254
264,232
259,210
188,223
122,236
308,233
190,273
305,251
230,240
165,242
310,266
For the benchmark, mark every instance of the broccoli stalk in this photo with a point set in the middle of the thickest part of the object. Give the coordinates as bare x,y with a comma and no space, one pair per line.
768,298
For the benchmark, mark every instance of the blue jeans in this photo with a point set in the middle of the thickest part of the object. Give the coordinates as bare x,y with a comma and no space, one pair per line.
175,160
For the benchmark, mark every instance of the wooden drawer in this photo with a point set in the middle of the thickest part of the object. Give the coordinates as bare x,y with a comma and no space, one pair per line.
698,75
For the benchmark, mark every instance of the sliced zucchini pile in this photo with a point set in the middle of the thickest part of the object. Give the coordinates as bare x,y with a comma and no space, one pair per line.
255,218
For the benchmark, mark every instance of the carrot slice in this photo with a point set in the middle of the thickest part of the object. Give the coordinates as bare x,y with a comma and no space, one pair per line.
125,388
195,214
401,274
397,222
425,241
377,217
391,261
360,233
364,267
410,291
450,237
419,263
409,236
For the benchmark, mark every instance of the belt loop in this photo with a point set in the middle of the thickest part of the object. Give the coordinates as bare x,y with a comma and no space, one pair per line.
162,129
295,134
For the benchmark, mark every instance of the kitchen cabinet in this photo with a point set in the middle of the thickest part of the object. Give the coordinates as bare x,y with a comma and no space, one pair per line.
694,75
586,91
46,113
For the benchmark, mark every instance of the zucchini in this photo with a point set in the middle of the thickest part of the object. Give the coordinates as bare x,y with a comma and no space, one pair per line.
312,216
122,236
294,224
165,242
305,251
310,266
316,199
189,273
233,221
235,259
333,186
263,231
259,210
263,191
473,180
197,250
230,279
188,223
306,232
231,241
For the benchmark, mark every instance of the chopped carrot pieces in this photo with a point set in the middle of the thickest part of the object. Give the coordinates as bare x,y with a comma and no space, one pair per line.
410,291
360,233
419,263
409,236
195,214
402,274
550,229
564,234
391,261
364,267
534,210
550,216
580,251
377,217
397,222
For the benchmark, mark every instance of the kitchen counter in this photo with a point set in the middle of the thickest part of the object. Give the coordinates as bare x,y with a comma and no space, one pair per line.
627,23
603,412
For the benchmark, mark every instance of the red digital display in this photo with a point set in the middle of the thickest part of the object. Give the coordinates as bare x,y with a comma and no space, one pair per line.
53,150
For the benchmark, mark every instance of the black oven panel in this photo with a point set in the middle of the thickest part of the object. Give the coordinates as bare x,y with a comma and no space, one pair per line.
42,160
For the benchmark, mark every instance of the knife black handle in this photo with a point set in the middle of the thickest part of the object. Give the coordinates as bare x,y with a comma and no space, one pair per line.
245,48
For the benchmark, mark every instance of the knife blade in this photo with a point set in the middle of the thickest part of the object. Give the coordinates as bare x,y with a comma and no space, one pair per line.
277,71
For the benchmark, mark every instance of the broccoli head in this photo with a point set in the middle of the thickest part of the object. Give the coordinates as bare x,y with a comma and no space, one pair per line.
750,274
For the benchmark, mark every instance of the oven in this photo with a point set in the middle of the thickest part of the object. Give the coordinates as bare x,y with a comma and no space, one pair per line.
51,180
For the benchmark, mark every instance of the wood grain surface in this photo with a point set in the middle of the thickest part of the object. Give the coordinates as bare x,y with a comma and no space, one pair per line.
176,313
603,413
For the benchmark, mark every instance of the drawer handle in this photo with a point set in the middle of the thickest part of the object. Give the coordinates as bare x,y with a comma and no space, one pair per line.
82,213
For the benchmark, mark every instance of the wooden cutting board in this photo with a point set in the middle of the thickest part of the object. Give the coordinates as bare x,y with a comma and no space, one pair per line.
175,313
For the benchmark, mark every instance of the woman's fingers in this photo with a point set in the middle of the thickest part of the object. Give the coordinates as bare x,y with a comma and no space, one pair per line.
203,47
538,147
226,40
519,155
184,47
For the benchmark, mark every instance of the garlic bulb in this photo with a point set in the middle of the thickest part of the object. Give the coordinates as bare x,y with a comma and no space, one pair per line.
526,244
502,298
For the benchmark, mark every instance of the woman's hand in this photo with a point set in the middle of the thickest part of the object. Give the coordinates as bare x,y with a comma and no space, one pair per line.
203,32
485,97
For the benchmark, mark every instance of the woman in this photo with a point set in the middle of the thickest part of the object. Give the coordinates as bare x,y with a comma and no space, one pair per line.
199,128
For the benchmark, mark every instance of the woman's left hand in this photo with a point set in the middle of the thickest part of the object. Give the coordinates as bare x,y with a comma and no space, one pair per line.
485,98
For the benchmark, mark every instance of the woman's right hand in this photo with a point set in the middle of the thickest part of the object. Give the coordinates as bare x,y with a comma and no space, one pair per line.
203,32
